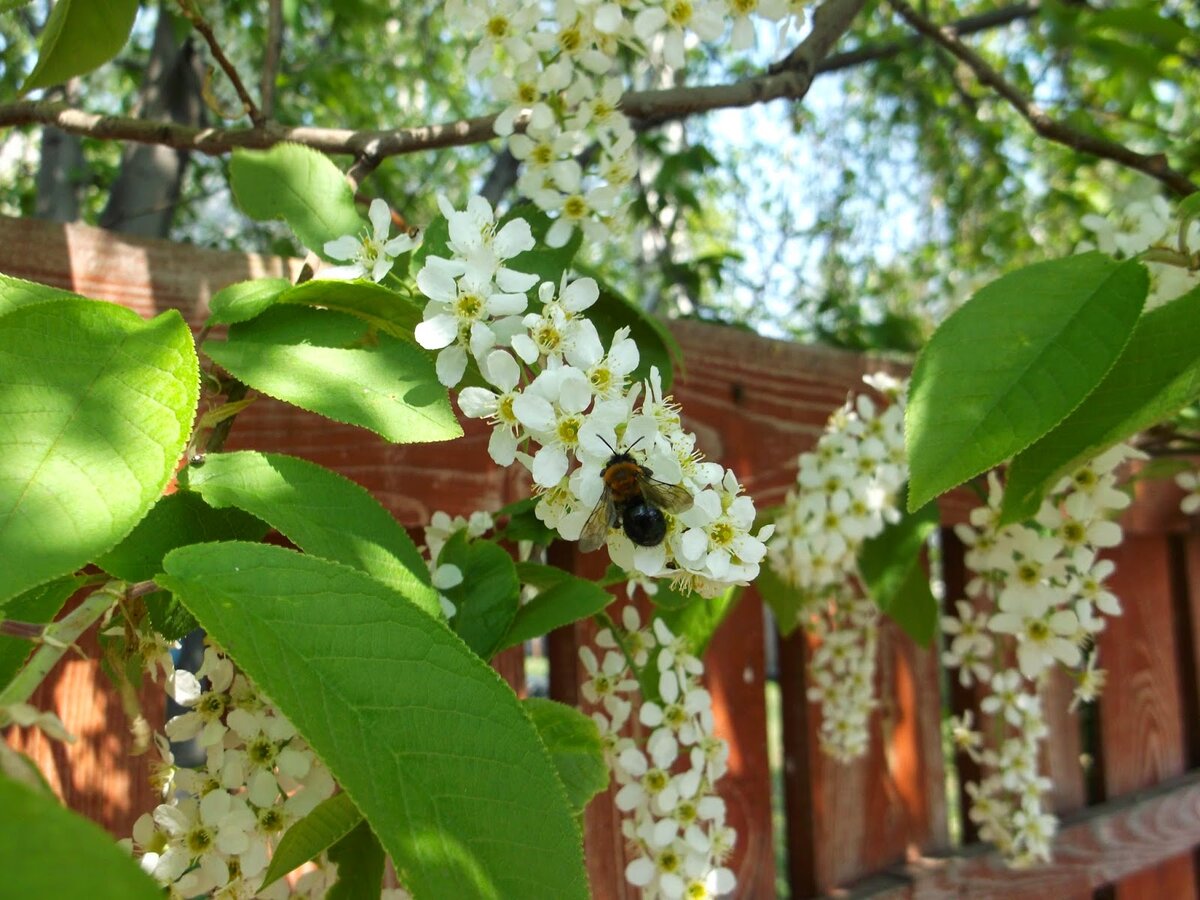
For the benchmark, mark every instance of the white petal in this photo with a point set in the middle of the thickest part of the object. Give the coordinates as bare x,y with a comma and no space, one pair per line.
381,219
580,294
515,237
436,283
436,333
640,872
533,412
502,370
184,687
514,282
476,402
559,233
340,273
345,247
451,364
502,446
506,304
549,466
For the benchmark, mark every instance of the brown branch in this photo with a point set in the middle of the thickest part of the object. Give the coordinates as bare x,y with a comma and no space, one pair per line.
646,108
968,25
202,26
271,56
1154,165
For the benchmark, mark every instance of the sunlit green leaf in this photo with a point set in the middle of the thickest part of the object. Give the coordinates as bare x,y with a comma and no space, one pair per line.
424,737
96,405
35,832
330,363
1013,362
79,36
299,185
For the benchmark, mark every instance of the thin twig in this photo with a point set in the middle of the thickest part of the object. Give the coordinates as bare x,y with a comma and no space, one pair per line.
646,108
271,57
1154,165
202,26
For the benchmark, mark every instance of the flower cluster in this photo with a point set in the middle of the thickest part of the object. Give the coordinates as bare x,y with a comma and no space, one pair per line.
846,492
217,825
555,70
674,817
561,403
1138,225
1038,596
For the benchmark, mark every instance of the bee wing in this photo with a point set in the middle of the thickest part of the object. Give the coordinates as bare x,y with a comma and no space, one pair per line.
672,498
595,529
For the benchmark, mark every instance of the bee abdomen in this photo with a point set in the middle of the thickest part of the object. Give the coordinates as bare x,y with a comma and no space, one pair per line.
644,524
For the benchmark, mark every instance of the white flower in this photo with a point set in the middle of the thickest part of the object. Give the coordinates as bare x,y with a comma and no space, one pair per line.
560,331
501,370
458,316
370,254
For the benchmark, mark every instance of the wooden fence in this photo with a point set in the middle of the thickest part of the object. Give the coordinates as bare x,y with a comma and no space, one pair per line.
877,827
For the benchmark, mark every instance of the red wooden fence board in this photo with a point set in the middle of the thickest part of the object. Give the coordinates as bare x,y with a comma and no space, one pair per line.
1141,710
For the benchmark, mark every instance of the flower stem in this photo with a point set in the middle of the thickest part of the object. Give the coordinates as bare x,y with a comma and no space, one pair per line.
56,639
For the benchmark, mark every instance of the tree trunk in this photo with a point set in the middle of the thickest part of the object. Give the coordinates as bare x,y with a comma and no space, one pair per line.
146,191
62,168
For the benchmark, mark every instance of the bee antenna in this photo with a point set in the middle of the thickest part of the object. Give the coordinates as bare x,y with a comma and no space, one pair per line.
635,443
607,444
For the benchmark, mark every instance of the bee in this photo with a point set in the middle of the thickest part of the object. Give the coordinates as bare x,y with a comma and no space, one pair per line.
634,501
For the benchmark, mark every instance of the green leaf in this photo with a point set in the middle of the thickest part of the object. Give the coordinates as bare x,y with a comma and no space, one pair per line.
360,860
1013,362
37,605
785,601
435,241
328,823
329,363
95,409
914,608
319,511
35,832
1156,376
699,620
16,292
887,563
575,746
79,36
563,598
487,598
522,524
372,303
174,521
424,736
1143,22
299,185
169,617
245,300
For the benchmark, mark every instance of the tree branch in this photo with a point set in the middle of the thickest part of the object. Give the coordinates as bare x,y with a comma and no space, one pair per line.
969,25
271,56
646,108
1155,165
202,26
